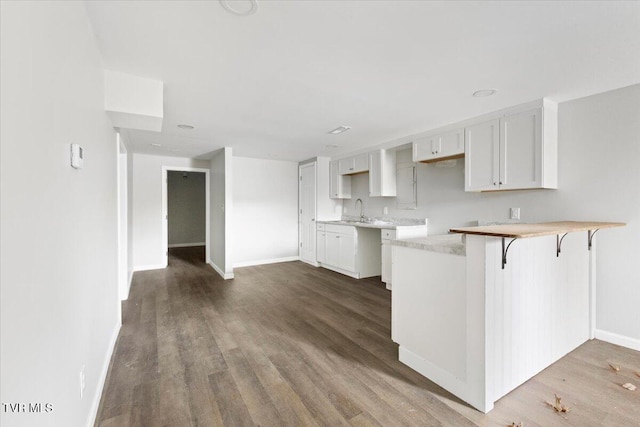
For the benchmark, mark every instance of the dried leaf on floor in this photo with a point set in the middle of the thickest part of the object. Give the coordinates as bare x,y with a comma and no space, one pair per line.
629,386
637,374
615,368
558,406
513,424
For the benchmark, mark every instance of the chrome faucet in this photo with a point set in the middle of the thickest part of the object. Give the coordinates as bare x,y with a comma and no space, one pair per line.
361,208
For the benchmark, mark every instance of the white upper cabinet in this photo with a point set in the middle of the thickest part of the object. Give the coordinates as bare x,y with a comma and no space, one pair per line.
435,148
482,157
521,150
513,152
354,164
339,185
382,173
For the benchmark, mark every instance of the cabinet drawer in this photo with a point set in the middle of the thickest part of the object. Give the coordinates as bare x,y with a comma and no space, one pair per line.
320,226
389,234
340,229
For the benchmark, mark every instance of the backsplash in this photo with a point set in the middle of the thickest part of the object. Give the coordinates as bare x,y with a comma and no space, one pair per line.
442,199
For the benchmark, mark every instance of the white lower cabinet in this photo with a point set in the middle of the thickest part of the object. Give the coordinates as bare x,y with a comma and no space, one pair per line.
320,246
386,237
349,250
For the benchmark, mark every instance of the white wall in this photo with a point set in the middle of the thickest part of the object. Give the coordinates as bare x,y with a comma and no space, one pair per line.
130,265
265,204
186,207
221,178
148,248
599,179
59,300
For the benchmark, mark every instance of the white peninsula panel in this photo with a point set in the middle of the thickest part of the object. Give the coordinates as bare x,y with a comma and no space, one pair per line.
479,327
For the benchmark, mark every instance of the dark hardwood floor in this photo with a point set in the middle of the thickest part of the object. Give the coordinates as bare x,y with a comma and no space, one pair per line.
293,345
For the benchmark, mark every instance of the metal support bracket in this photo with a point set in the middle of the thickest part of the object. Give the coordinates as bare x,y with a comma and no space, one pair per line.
559,243
590,235
505,250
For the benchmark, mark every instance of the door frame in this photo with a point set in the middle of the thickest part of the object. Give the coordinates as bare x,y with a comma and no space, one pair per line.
122,178
165,208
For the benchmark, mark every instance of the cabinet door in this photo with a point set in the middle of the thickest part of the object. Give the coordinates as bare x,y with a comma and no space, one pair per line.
346,166
347,252
321,248
482,156
375,174
451,144
332,249
386,263
425,149
382,173
521,150
361,163
333,180
339,186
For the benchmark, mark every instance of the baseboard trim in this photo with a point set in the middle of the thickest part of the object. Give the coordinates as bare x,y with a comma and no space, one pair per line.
225,276
187,245
95,405
340,270
617,339
315,264
266,261
444,379
149,267
130,283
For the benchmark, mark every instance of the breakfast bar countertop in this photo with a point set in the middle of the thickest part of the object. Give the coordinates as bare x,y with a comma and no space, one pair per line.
516,231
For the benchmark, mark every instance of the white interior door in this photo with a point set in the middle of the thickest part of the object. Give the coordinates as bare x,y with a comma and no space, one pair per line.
307,213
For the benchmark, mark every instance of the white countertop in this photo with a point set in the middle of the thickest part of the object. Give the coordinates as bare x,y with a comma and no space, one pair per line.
452,244
381,223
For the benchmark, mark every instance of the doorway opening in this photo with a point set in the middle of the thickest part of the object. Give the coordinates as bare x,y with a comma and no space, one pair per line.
186,213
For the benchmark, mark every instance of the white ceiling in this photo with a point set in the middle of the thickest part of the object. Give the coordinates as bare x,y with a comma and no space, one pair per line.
272,84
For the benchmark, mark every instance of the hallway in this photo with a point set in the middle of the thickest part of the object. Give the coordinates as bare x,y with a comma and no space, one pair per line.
289,344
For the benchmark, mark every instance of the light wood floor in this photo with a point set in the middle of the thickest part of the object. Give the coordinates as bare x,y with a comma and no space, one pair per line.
293,345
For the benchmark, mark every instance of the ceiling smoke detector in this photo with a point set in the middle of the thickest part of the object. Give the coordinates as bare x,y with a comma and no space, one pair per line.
252,7
483,93
188,127
339,130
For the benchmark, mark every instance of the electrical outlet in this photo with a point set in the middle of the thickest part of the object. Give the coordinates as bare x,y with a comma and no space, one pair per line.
514,213
82,382
385,211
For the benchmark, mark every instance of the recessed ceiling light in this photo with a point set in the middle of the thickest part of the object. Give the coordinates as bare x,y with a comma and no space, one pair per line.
189,127
339,130
155,145
484,92
253,6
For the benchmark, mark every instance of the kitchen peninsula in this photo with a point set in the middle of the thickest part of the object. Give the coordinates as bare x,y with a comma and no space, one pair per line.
481,311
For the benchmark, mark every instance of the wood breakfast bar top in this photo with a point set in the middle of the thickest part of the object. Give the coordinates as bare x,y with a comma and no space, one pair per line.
517,231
